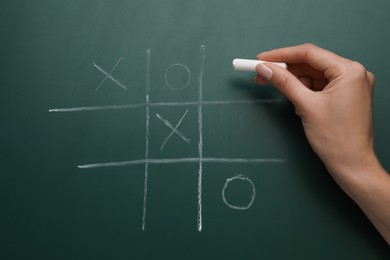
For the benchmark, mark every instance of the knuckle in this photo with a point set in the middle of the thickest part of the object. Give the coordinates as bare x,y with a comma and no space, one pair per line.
359,71
310,51
358,67
309,45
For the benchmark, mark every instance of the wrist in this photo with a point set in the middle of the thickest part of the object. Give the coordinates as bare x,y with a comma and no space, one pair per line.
360,176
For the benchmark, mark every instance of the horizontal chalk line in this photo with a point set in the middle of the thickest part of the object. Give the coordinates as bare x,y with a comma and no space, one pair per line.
182,160
141,105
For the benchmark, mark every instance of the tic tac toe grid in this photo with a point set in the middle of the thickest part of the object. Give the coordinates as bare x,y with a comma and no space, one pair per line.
200,159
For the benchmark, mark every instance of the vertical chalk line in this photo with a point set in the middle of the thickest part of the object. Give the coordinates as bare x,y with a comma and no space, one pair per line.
147,112
200,145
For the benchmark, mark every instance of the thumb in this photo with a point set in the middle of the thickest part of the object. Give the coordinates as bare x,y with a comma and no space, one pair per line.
285,82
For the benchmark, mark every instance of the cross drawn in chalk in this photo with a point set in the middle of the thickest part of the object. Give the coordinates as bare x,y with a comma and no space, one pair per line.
174,129
109,76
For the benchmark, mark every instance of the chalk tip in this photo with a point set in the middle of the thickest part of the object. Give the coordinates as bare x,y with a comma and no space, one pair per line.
234,63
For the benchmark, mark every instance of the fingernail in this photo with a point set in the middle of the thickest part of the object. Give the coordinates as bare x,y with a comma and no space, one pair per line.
264,71
261,54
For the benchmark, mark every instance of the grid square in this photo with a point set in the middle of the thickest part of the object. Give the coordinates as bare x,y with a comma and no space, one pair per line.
161,147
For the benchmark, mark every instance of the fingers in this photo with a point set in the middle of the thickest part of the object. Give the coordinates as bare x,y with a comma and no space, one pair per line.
318,58
305,70
285,82
260,80
310,77
310,83
310,68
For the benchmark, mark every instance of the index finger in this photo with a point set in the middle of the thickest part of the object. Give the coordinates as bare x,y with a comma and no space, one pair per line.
318,58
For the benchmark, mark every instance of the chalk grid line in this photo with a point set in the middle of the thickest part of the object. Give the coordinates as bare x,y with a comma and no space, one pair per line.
147,114
181,160
200,144
147,105
167,104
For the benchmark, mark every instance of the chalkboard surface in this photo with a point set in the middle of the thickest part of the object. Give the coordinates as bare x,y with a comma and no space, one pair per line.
125,133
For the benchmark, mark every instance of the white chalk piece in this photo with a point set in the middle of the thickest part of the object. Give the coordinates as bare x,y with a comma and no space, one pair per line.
250,65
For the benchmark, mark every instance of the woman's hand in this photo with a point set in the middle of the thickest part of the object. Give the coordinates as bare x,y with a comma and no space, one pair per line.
333,96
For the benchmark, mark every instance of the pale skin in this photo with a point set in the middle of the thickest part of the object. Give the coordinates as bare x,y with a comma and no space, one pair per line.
334,96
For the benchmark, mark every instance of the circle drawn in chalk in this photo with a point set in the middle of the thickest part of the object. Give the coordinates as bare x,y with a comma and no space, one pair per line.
177,86
253,195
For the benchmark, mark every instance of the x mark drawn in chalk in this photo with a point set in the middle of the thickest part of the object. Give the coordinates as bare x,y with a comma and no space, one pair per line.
109,76
174,129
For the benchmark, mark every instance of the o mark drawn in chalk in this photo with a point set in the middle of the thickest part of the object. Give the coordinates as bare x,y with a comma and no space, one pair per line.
177,67
253,195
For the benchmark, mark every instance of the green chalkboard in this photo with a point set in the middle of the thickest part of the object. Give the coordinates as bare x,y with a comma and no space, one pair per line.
125,133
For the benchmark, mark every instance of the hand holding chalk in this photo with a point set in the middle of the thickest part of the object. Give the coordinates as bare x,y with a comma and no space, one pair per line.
333,97
250,65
